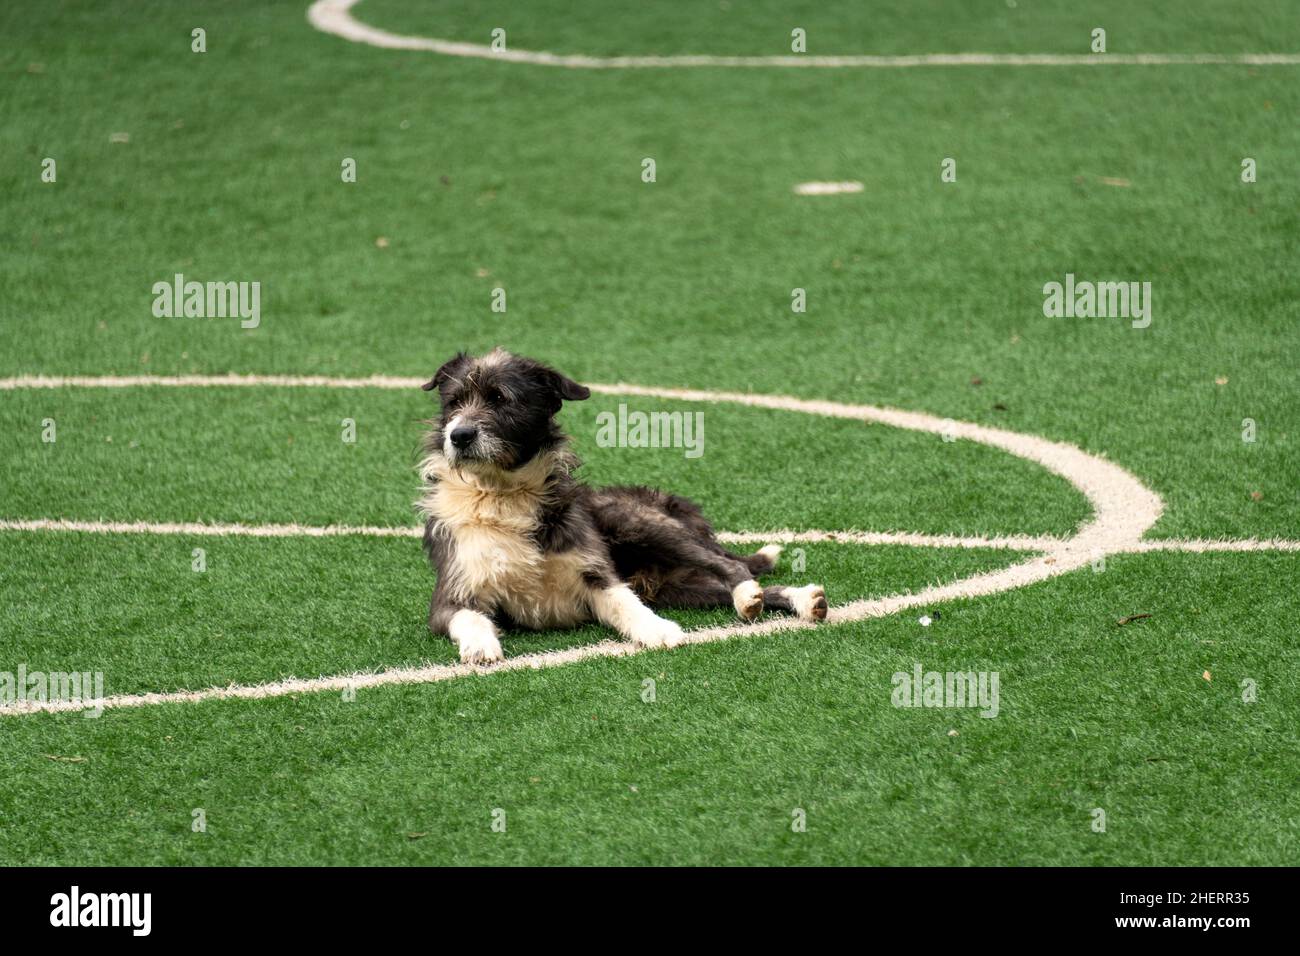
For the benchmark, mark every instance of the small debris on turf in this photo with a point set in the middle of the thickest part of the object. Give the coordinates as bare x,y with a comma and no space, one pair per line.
952,733
923,620
976,380
1131,618
381,242
417,835
1257,496
1221,380
999,407
1115,181
119,137
65,759
1205,675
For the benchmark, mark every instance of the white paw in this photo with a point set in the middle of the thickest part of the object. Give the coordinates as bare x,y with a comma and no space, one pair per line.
809,601
476,638
748,598
485,650
658,631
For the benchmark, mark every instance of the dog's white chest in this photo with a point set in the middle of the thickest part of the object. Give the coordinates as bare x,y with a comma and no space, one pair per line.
494,558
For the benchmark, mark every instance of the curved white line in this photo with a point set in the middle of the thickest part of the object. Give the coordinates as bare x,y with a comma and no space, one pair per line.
1123,509
335,17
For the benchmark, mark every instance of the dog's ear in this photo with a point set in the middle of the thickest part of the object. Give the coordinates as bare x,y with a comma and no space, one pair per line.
565,389
451,368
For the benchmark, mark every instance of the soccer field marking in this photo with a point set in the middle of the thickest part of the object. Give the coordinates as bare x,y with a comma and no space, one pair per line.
828,189
335,17
911,539
781,536
1123,510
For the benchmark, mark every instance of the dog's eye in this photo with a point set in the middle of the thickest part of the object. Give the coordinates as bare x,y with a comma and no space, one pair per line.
493,396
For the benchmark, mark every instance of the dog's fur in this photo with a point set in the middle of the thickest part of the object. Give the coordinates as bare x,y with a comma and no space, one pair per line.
516,539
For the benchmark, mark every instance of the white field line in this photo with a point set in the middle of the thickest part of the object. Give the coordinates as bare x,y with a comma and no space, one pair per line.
828,189
205,381
1123,510
335,17
219,530
911,539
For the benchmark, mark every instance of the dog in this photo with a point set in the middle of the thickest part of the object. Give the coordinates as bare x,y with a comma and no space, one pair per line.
517,541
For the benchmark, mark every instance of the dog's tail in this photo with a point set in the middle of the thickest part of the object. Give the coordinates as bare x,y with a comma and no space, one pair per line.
763,560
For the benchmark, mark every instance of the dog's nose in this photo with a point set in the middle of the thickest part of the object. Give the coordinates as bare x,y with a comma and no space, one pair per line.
462,436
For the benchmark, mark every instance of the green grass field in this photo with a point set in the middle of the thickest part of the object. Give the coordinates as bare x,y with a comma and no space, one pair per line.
923,295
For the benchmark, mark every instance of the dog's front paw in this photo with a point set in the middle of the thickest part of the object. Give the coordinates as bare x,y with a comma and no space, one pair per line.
809,602
658,632
476,638
748,598
486,650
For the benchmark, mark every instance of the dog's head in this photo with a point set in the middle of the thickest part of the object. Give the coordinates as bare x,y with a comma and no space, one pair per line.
498,410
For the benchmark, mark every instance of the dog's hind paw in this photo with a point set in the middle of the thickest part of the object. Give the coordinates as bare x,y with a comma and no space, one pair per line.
658,632
748,598
809,601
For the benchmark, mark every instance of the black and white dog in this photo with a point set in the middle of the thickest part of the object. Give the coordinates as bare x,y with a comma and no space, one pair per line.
517,540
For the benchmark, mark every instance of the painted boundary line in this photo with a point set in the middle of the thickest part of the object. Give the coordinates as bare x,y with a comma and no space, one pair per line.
1014,542
1123,510
335,17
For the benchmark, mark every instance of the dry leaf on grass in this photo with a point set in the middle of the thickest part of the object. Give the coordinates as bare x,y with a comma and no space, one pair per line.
1131,618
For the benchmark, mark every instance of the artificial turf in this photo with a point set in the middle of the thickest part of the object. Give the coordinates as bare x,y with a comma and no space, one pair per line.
921,295
740,735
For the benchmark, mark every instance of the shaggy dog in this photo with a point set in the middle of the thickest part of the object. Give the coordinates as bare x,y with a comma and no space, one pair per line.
517,540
